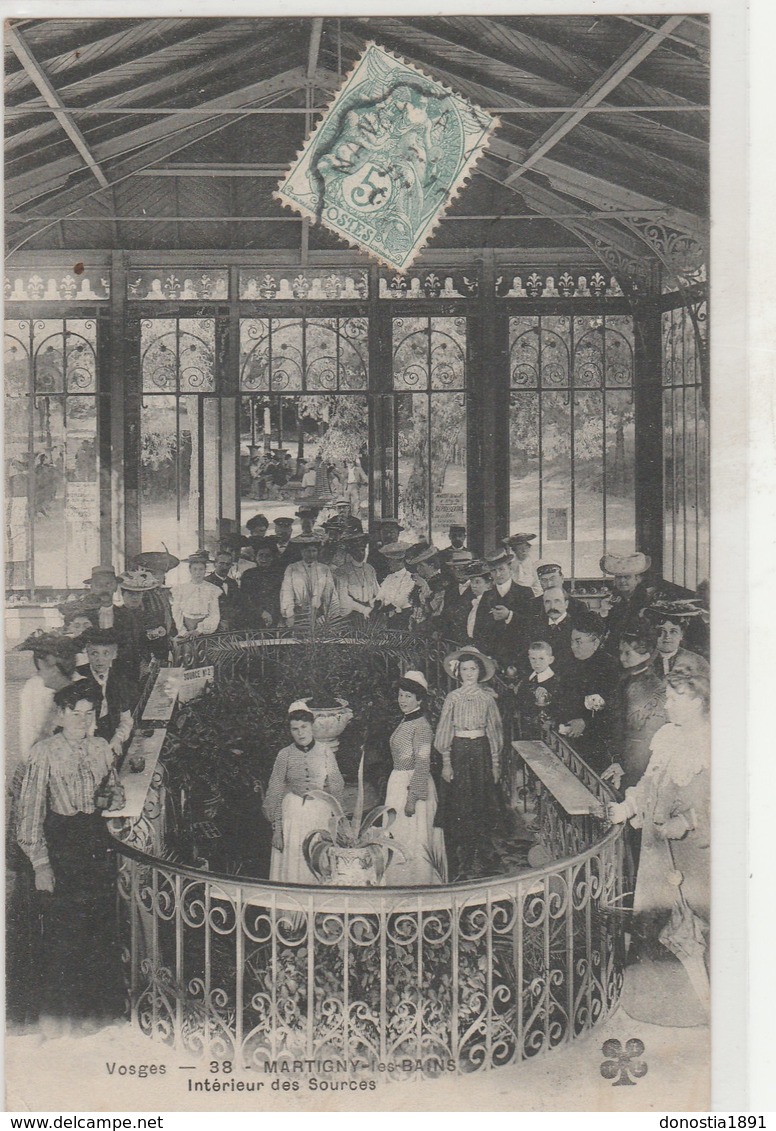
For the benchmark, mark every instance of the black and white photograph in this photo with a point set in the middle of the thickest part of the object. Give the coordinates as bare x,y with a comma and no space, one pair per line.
358,388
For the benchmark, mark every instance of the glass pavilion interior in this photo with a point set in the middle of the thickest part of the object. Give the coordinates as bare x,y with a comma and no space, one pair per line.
542,367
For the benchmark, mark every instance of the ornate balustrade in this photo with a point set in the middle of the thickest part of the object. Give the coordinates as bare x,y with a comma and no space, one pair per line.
454,978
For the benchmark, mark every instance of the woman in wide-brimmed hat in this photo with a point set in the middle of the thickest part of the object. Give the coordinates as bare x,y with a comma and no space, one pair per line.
411,792
470,737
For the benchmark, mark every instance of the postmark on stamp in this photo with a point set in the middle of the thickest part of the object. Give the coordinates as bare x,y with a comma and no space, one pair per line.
392,152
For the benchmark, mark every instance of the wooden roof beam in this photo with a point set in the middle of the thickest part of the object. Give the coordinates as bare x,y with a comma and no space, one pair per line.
600,89
168,128
41,81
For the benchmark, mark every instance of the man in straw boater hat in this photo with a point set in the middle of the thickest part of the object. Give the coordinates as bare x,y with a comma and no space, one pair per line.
458,593
394,597
473,622
508,606
308,591
522,567
356,580
631,593
195,604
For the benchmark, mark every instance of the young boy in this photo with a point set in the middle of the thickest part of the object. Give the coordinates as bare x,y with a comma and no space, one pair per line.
538,694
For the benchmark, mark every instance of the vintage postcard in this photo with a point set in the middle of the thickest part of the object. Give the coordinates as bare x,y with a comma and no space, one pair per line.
361,448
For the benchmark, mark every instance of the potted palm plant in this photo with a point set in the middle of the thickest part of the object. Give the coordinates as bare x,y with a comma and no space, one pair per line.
352,851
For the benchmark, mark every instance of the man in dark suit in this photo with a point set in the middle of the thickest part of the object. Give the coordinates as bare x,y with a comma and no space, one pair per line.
457,536
117,695
387,530
260,589
508,604
458,594
229,601
286,551
588,704
551,576
555,627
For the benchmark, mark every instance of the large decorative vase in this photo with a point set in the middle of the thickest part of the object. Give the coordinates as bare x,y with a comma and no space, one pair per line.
330,721
337,866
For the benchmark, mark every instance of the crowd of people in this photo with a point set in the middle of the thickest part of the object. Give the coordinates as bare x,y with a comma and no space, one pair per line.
627,683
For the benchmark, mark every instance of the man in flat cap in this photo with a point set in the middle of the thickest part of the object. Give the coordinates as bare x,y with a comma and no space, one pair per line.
117,694
550,576
356,580
345,522
195,604
308,592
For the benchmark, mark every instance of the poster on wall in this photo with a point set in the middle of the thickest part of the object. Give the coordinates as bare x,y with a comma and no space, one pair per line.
361,812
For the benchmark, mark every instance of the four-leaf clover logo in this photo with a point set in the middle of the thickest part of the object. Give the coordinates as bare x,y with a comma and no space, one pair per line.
623,1062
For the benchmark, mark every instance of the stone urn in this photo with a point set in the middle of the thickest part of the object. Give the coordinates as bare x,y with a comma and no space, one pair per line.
357,867
329,721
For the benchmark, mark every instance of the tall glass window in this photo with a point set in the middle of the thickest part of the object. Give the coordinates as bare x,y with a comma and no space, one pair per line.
304,427
182,425
571,436
429,379
52,506
685,453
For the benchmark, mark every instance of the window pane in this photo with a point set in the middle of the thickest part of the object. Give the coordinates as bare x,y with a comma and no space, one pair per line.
159,474
49,540
410,353
321,354
158,354
254,353
588,352
229,487
212,466
704,515
16,359
448,463
354,353
412,427
82,511
524,352
448,353
197,355
188,473
556,351
524,463
669,491
17,493
48,357
556,479
286,366
277,433
588,484
620,464
679,481
619,350
81,355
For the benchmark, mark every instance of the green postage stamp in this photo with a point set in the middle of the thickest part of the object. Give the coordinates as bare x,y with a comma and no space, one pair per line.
392,151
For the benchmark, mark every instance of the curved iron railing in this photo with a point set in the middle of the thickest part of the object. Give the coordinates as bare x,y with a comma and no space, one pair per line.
415,981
